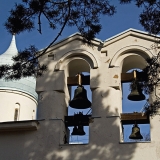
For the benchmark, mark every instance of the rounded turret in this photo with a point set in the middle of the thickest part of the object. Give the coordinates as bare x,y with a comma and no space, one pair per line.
18,97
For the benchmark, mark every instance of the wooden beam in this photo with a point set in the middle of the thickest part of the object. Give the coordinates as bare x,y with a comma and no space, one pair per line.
73,81
128,77
76,120
131,118
85,80
125,77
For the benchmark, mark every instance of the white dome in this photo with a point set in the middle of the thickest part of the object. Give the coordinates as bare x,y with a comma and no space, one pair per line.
26,85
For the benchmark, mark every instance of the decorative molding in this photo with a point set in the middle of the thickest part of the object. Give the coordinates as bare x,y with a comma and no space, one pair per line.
28,125
124,52
77,54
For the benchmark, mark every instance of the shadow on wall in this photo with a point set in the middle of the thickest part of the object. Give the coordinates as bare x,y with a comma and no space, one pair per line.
46,142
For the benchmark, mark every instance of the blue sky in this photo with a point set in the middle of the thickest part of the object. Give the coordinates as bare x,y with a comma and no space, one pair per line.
125,18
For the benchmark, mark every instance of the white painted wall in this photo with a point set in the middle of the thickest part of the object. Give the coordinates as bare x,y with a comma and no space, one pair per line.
9,101
105,143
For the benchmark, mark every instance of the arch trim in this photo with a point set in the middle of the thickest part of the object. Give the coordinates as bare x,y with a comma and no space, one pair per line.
80,54
126,51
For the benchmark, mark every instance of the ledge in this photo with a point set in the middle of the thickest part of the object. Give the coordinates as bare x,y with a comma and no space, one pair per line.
71,144
135,142
28,125
130,118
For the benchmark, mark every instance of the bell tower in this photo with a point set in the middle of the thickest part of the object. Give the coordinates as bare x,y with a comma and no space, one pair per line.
108,64
102,69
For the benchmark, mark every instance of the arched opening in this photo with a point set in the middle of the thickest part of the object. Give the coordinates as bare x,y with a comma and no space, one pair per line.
78,66
139,52
75,67
134,64
16,112
33,115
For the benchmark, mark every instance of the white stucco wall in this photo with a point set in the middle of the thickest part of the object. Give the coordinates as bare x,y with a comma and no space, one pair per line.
9,99
106,63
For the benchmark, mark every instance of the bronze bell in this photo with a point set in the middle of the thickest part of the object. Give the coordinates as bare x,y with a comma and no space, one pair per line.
80,100
136,93
78,131
75,131
135,133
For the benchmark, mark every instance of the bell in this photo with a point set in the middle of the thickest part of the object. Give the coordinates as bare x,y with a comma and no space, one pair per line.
135,133
80,100
136,93
75,131
80,130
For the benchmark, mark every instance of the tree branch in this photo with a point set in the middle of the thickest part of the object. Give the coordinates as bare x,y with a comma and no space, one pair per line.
39,23
59,34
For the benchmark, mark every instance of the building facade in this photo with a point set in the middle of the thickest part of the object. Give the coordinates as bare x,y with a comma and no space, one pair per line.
18,97
47,137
